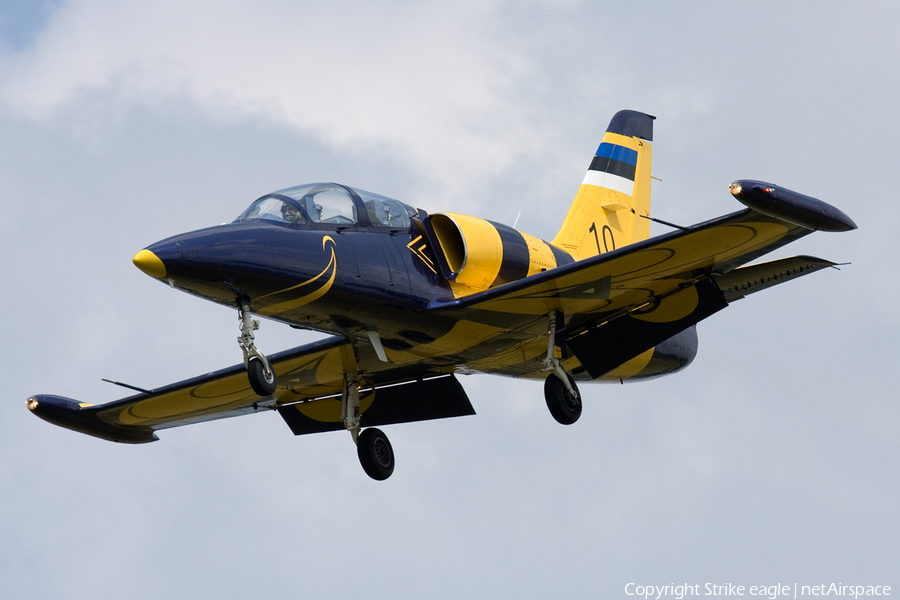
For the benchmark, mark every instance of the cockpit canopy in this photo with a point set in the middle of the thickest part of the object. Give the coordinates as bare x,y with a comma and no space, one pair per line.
329,204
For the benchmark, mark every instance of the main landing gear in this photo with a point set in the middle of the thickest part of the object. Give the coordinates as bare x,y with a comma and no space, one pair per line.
259,371
375,453
564,405
560,391
372,446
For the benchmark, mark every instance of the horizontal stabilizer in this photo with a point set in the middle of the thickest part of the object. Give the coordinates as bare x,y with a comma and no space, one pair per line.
747,280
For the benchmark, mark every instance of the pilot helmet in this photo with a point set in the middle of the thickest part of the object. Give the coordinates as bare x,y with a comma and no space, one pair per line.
291,213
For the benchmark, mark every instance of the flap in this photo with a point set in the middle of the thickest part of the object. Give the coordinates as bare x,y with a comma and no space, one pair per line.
422,400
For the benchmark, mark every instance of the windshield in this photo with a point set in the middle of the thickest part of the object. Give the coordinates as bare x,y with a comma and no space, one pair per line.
324,203
274,208
329,204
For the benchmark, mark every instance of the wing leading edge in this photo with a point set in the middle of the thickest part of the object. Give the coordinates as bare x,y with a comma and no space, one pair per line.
310,382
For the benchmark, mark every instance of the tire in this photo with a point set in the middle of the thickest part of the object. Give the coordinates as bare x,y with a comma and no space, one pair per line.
563,406
375,454
256,373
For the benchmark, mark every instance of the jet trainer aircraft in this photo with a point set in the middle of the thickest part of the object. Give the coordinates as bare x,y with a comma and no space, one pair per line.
410,299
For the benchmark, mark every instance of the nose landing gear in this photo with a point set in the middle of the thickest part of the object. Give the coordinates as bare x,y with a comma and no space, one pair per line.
261,376
259,371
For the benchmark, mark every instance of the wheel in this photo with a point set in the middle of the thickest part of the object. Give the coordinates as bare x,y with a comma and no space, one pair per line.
564,407
375,453
256,373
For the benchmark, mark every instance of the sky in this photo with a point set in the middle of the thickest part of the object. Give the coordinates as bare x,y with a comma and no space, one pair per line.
773,459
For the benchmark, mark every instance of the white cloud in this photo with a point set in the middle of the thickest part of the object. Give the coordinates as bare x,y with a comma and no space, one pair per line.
416,78
124,123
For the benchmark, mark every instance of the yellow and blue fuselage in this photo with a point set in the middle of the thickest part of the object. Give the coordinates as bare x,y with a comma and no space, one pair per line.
361,268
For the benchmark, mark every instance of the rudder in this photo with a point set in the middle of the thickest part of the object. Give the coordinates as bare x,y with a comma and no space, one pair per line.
607,211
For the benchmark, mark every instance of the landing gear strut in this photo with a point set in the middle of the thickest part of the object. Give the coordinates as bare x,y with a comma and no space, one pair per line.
372,447
560,391
259,371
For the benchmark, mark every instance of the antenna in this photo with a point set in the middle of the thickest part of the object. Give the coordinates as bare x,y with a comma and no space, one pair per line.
665,223
130,387
517,219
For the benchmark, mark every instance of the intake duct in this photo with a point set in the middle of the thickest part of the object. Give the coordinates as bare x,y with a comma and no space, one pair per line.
480,254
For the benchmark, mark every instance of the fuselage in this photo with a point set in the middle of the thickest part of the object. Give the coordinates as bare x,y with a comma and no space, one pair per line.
340,275
346,262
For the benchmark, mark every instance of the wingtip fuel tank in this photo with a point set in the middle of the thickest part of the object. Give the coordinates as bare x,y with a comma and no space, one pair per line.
793,207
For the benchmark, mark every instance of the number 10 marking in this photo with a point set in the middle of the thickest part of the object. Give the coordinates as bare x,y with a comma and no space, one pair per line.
608,244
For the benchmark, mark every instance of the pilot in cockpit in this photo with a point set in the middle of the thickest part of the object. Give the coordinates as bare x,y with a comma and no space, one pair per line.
292,214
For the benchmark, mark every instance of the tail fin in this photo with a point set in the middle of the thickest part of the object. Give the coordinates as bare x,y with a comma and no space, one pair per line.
606,212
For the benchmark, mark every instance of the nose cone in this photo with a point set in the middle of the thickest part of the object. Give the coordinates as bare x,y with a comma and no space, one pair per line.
150,264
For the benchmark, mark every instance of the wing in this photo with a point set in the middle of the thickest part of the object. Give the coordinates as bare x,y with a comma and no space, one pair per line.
310,382
622,303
